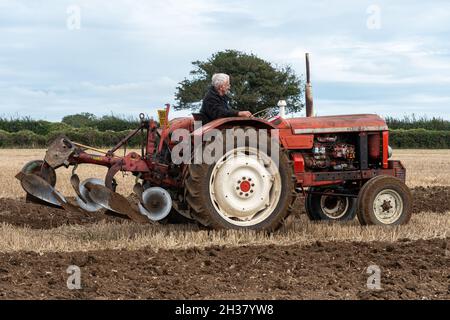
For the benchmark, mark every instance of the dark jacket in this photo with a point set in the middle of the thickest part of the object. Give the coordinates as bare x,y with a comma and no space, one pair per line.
215,106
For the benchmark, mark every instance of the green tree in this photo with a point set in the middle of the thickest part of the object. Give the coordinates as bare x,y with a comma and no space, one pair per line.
255,83
116,123
80,120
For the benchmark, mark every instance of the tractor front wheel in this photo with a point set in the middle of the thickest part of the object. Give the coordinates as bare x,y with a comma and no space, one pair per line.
384,200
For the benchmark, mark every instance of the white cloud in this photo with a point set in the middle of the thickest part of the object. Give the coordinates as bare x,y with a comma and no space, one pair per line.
387,62
163,83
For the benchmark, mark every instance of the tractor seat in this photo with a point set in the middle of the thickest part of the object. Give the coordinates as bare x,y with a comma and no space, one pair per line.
199,117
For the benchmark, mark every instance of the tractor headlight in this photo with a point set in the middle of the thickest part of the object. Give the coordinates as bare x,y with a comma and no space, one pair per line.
389,152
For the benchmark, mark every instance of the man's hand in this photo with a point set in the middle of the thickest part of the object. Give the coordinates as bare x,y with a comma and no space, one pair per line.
245,114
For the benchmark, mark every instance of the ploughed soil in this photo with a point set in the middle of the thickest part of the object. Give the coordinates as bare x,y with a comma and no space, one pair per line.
332,270
435,199
20,213
324,270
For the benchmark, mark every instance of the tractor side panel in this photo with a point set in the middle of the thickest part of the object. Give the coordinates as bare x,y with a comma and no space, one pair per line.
295,141
335,124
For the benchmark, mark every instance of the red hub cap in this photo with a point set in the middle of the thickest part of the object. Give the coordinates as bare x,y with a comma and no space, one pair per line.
245,186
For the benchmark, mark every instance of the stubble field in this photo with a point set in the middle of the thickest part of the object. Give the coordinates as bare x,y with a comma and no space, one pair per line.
121,259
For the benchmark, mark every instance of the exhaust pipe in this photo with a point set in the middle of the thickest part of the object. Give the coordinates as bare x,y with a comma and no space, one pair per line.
308,90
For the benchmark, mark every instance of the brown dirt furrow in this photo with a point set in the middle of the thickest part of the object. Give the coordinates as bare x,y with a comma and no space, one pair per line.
329,270
434,199
19,213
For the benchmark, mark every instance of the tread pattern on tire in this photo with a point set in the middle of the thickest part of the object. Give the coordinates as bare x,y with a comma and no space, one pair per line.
360,216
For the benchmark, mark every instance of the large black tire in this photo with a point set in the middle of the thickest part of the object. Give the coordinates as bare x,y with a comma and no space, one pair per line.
204,211
328,208
42,170
384,200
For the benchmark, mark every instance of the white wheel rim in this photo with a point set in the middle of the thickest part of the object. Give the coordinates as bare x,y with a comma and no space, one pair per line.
334,207
388,206
245,186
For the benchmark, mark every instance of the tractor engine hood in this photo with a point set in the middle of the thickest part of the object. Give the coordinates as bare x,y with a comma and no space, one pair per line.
341,123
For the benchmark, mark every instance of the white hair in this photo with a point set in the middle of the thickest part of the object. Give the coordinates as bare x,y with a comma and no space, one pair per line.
219,79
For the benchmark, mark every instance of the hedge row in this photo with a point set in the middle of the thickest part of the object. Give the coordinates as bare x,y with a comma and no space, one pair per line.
93,138
409,122
82,120
40,127
419,139
416,138
121,123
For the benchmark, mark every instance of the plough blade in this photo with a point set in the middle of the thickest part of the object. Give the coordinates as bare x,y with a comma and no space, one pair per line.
113,201
155,203
41,189
75,182
83,199
93,195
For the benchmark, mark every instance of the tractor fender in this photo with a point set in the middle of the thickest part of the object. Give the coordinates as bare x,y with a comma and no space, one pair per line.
230,122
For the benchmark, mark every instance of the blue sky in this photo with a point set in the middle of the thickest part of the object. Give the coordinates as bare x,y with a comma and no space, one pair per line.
385,57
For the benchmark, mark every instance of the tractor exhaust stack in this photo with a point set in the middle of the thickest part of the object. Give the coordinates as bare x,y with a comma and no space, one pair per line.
308,91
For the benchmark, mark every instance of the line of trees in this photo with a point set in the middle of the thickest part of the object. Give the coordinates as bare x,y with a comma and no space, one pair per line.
419,139
412,122
122,123
108,130
94,138
81,120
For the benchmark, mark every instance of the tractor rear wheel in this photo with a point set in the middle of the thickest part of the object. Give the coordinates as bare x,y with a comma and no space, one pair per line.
324,207
243,189
384,200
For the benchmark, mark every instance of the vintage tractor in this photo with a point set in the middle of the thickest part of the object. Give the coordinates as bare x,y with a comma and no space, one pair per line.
341,164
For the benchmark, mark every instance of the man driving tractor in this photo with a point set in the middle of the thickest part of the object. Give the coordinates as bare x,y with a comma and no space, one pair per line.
215,103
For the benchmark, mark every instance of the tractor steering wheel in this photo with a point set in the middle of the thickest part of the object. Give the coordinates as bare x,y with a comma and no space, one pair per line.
263,113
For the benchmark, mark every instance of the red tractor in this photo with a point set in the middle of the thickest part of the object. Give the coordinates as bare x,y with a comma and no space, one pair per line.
341,164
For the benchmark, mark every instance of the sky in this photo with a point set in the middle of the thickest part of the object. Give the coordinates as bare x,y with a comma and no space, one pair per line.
128,56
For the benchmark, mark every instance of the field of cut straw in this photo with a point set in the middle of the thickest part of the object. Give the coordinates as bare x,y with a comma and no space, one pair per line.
60,237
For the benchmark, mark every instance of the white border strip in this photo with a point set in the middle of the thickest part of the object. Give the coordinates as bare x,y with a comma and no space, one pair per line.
344,129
